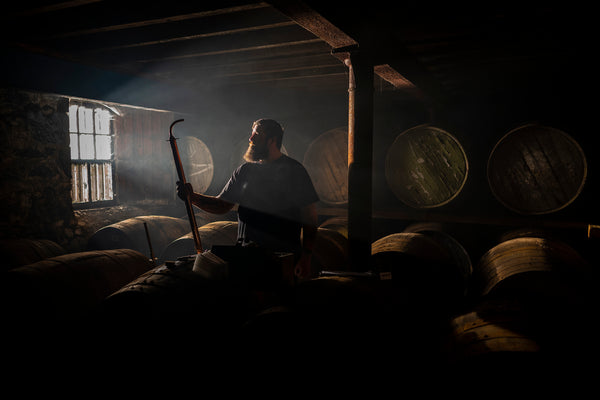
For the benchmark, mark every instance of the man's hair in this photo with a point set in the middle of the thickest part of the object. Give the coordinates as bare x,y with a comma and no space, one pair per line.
270,128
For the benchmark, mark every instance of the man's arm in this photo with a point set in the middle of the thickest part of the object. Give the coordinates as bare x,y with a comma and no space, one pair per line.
211,204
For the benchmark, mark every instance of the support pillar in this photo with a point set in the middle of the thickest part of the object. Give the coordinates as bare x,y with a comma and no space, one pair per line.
360,160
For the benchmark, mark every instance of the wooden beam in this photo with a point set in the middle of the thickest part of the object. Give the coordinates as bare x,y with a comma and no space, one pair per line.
174,18
228,51
389,74
50,8
301,70
194,37
313,22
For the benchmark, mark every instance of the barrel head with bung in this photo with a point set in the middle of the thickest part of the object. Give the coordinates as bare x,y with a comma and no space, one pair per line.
536,169
426,167
326,161
197,162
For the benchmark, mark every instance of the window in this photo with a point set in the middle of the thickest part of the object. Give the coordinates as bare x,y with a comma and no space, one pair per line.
91,141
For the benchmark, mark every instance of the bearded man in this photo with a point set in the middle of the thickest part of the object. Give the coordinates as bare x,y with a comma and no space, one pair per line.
275,196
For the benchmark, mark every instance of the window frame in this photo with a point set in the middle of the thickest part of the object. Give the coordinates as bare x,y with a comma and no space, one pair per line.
94,106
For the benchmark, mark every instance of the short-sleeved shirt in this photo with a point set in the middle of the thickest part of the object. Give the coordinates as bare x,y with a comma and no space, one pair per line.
270,198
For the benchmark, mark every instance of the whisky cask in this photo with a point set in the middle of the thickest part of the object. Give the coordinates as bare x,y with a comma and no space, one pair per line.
536,169
326,161
426,167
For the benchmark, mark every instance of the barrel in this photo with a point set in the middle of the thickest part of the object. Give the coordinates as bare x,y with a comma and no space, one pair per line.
536,169
527,232
17,252
70,285
338,224
222,233
197,162
326,161
330,251
541,266
426,167
495,335
131,234
422,272
460,257
174,298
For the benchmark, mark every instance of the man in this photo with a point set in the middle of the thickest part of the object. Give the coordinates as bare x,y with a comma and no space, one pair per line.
275,195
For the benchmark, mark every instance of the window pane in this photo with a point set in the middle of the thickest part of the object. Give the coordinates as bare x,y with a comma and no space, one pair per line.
95,191
75,183
84,182
79,183
102,121
74,146
86,147
72,118
108,189
103,147
86,120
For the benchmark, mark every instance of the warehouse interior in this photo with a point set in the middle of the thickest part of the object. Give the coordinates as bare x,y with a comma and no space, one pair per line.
505,89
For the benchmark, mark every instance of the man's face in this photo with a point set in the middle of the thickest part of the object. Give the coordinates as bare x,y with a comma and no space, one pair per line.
257,146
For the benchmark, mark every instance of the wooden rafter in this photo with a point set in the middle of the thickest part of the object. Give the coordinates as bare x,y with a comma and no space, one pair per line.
194,37
51,7
156,21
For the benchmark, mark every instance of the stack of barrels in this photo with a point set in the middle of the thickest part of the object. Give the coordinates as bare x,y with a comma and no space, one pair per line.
420,297
530,296
42,284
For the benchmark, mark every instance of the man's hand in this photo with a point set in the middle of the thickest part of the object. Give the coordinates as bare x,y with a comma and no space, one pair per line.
184,190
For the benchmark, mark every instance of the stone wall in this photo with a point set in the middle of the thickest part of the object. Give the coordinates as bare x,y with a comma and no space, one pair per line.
35,189
35,162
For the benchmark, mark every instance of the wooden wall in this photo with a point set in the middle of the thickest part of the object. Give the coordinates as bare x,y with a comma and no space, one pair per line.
143,160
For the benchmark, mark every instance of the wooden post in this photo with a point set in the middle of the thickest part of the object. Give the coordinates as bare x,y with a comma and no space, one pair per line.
360,159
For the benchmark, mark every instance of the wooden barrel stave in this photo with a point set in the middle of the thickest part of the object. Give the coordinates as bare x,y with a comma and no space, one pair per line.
536,169
495,334
221,233
326,161
330,251
131,234
19,252
70,285
552,261
338,224
423,274
426,167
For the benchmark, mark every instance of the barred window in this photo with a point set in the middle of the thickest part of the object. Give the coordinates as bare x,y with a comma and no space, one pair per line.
92,161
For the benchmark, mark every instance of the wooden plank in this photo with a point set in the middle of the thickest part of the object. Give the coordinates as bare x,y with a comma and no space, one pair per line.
50,8
389,74
194,37
426,167
536,169
156,21
313,22
229,51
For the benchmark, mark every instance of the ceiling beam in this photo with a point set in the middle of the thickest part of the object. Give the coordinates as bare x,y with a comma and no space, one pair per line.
229,51
194,37
156,21
315,23
50,7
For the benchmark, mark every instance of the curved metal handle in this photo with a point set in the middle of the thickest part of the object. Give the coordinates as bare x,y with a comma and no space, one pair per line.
172,125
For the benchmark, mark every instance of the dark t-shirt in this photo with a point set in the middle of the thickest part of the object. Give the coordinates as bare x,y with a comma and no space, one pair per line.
270,198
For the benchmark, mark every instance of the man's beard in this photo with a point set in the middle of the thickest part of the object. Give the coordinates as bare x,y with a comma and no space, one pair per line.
256,153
